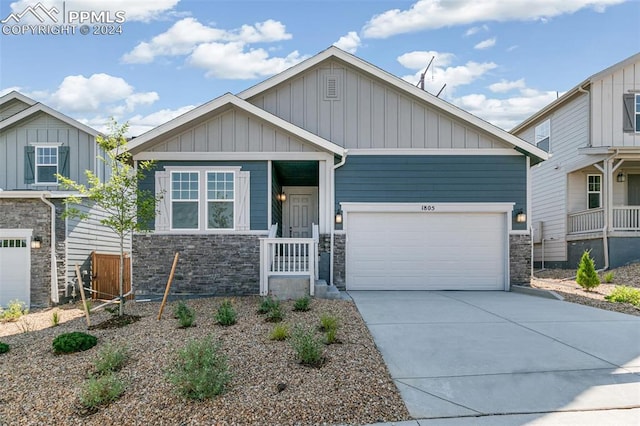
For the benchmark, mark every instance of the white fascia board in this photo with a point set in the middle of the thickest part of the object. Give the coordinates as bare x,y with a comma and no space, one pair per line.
427,207
232,156
24,194
400,85
16,95
136,145
435,151
50,111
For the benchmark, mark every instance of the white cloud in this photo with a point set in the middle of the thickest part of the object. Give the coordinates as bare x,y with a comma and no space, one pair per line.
349,43
7,90
440,73
432,14
139,124
485,44
234,61
506,86
135,10
187,34
473,30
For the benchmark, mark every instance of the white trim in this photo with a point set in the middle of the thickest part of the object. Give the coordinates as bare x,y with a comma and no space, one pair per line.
16,95
35,165
41,144
349,207
171,200
179,232
230,156
269,193
8,233
207,200
529,220
228,99
47,110
436,151
595,192
404,86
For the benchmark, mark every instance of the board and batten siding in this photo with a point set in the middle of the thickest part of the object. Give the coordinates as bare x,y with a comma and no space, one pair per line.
87,235
607,106
258,185
549,179
43,128
233,131
11,108
436,179
367,112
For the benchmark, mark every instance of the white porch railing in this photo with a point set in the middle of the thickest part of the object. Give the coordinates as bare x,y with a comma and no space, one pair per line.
585,221
623,218
626,218
288,256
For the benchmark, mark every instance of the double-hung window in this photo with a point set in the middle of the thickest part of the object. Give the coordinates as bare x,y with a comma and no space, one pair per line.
594,191
46,164
220,200
543,135
185,200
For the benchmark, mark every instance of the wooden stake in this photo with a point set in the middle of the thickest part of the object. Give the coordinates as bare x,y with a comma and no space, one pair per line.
166,290
84,300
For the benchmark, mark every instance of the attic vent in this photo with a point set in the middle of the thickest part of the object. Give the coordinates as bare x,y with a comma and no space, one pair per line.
331,87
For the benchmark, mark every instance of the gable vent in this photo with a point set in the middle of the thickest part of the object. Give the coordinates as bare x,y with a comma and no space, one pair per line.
331,88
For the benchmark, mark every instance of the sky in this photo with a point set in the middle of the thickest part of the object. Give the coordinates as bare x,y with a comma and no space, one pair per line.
501,60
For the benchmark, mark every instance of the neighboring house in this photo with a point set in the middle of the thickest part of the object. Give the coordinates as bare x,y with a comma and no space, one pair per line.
38,247
587,195
400,189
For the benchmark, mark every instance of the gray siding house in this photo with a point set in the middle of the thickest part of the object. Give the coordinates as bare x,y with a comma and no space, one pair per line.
587,195
38,247
338,169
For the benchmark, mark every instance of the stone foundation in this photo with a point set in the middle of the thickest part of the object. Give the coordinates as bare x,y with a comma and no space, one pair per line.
211,265
520,259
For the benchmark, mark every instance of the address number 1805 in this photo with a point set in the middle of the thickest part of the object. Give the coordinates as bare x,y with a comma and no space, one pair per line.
428,208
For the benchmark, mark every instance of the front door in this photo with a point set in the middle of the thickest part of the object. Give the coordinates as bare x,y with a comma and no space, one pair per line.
299,211
633,188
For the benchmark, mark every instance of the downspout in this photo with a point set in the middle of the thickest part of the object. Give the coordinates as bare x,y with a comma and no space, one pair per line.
54,263
333,209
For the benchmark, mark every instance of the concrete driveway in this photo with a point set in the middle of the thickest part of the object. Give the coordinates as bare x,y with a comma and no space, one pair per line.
467,354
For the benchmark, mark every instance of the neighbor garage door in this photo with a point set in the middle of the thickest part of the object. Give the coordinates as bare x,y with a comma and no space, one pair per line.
15,266
418,251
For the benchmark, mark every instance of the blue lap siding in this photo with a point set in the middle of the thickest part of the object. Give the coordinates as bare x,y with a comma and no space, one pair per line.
437,179
258,184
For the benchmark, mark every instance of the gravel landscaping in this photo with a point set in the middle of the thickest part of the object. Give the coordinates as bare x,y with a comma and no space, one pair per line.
562,281
268,384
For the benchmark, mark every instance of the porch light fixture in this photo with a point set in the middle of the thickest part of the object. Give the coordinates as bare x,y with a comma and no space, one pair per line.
521,217
36,243
281,197
621,177
338,216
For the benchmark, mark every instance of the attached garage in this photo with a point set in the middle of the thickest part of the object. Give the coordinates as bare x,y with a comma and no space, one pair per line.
427,246
15,265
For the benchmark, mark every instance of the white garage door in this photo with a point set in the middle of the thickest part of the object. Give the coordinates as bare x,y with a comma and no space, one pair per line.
435,251
15,266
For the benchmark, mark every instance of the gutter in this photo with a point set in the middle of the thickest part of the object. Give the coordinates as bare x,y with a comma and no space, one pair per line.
333,209
54,264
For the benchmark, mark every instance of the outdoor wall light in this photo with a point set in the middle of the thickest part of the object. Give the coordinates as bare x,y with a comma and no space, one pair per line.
521,217
338,216
36,243
281,197
621,177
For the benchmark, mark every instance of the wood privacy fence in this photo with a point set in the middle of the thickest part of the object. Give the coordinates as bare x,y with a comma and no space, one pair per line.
105,273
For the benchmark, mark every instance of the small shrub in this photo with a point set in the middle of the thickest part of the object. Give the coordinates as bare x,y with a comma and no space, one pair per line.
267,304
625,294
308,348
275,314
73,342
110,359
100,391
14,311
608,277
226,315
329,324
88,305
186,316
587,276
200,370
279,332
55,318
302,304
4,348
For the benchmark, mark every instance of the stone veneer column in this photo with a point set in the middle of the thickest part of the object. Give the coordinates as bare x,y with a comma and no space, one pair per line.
520,259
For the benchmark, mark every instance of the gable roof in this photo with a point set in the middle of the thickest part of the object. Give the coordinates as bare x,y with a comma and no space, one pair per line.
138,144
402,85
38,107
570,94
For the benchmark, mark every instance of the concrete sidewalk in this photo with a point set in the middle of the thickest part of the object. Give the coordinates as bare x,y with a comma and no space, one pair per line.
505,358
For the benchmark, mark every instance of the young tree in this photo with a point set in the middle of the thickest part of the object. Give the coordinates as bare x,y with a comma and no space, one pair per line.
128,209
587,276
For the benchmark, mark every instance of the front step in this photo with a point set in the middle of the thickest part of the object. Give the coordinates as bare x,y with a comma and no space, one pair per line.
324,291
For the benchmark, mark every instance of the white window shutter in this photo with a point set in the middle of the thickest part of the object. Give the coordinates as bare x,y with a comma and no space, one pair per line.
243,204
163,186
